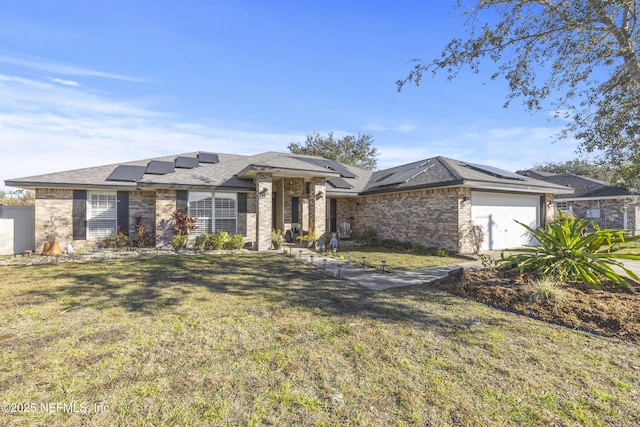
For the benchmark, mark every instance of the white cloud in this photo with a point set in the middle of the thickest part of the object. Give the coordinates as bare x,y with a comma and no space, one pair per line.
381,127
58,68
65,82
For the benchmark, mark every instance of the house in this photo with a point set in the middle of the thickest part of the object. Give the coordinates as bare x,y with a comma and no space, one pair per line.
608,206
432,202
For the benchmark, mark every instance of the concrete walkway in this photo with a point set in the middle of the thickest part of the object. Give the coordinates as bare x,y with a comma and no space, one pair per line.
377,280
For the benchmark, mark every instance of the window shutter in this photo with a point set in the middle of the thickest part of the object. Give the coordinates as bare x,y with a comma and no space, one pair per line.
79,215
182,200
242,214
123,211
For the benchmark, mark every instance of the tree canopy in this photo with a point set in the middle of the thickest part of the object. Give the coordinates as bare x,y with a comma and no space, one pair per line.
580,58
352,150
579,167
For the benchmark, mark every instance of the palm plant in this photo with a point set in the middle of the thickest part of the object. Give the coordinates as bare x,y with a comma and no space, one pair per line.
568,251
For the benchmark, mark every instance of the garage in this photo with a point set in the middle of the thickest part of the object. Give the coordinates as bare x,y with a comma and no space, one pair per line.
496,214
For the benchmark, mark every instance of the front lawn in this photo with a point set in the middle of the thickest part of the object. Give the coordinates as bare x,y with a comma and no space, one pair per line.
256,339
396,259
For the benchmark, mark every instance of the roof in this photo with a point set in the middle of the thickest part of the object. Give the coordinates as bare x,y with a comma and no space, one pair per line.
445,172
231,172
585,188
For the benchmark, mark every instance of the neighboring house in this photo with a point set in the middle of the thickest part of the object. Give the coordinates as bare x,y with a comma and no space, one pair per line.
608,206
432,202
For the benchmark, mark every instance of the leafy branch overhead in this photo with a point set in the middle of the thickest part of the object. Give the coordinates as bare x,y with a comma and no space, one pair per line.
579,58
351,150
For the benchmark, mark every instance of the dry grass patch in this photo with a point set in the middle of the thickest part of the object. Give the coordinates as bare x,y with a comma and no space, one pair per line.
255,339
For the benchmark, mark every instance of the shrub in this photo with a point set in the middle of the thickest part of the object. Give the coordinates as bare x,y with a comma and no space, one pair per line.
217,241
235,242
201,241
568,252
185,223
178,241
547,290
143,237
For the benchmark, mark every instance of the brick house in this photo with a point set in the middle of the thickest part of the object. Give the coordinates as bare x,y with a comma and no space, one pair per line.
608,206
432,202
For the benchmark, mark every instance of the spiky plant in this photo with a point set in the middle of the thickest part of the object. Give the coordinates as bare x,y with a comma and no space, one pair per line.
568,251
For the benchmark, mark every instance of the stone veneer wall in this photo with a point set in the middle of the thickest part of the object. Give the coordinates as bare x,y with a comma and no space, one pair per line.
264,213
165,205
318,206
143,203
56,204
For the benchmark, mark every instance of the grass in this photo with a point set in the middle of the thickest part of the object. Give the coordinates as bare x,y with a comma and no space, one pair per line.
256,339
396,260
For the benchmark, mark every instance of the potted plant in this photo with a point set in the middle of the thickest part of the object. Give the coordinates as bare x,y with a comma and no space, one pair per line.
308,238
121,239
277,239
51,246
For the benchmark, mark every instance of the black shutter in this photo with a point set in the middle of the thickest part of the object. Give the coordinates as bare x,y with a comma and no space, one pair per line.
242,214
79,215
123,211
182,201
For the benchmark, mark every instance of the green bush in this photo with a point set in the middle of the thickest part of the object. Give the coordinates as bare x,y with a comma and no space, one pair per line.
217,241
179,241
235,242
567,252
201,241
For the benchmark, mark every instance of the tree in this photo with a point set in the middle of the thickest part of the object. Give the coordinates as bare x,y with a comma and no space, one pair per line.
579,167
17,197
580,57
350,149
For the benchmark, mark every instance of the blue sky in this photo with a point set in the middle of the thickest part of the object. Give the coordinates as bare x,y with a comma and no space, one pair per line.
86,83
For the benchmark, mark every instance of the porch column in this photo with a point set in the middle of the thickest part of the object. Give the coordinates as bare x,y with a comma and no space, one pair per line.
318,206
264,187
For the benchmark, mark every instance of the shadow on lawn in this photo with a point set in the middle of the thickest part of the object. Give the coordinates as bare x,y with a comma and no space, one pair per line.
146,285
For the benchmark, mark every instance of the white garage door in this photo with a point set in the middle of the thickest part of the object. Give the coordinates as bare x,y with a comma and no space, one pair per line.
496,213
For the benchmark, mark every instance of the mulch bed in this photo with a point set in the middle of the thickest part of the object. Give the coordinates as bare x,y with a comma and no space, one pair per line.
611,311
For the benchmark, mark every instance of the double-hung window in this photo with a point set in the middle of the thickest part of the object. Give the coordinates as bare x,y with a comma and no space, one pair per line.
102,215
215,212
226,212
200,208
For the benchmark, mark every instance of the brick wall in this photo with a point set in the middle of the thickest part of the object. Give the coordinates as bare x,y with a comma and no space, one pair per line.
143,203
428,217
611,213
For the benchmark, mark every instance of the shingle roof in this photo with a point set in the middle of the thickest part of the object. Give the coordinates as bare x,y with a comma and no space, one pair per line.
236,172
443,172
584,187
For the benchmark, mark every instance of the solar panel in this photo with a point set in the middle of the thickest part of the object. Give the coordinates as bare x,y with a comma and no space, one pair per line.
403,175
329,164
187,162
157,167
339,183
127,173
500,173
208,158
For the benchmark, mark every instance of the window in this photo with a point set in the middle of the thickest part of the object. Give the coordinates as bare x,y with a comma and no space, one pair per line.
226,212
215,212
102,216
200,208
